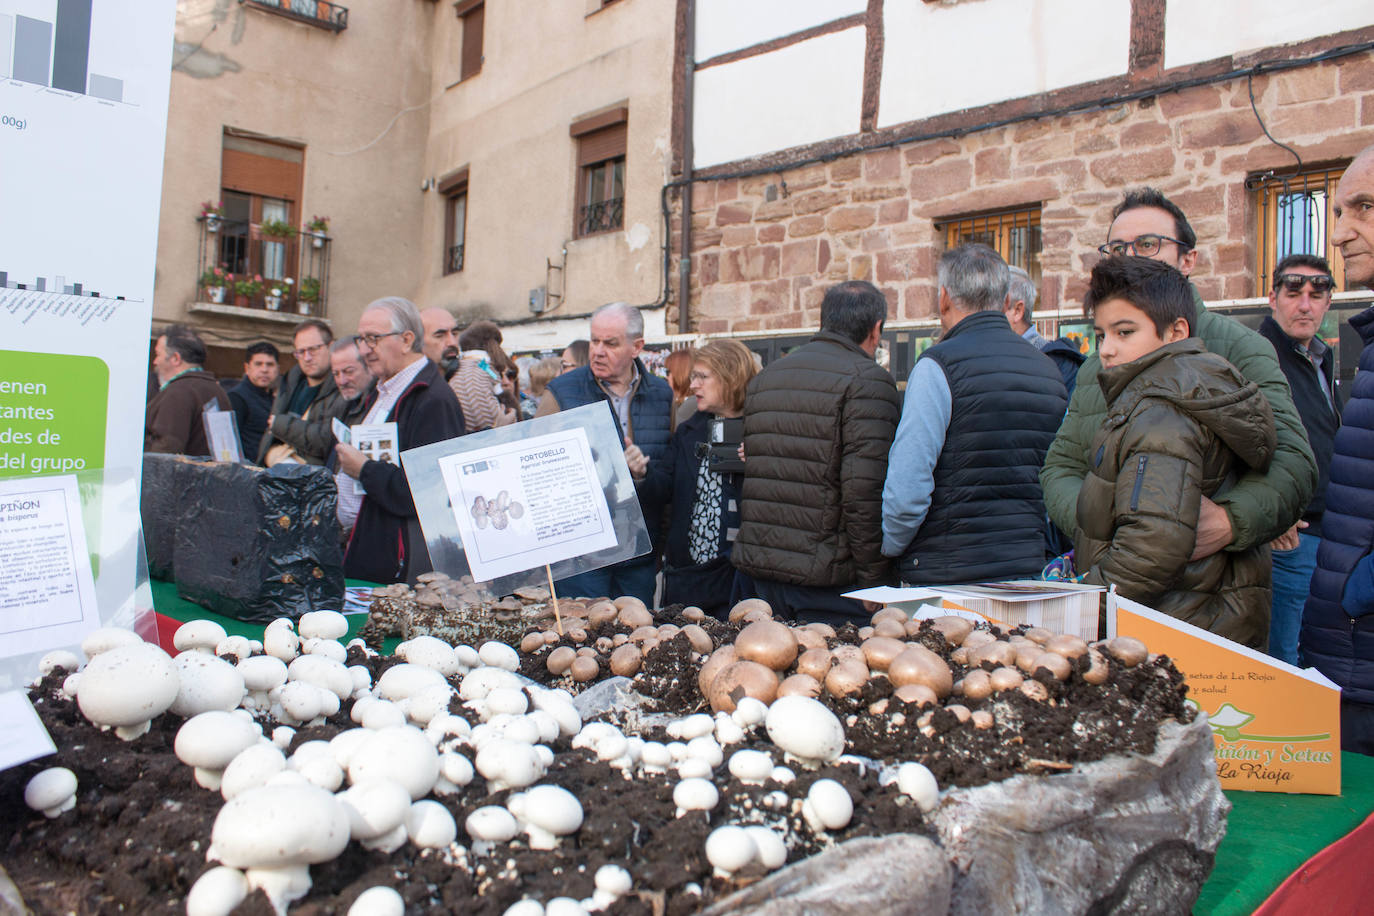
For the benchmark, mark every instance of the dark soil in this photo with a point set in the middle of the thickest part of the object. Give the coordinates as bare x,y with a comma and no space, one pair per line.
136,841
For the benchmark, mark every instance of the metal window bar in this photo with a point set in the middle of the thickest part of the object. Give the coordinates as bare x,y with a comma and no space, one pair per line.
1014,234
454,262
226,242
602,216
1294,214
321,13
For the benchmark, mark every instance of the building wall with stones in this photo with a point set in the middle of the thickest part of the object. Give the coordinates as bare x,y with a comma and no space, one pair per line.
769,233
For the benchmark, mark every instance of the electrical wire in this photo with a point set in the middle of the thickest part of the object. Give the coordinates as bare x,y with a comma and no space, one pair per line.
1250,86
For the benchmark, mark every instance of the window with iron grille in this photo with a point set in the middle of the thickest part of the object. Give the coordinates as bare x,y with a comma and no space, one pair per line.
1293,216
454,187
601,172
1014,234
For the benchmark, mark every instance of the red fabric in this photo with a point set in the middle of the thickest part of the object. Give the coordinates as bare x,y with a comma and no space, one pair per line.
1336,880
157,628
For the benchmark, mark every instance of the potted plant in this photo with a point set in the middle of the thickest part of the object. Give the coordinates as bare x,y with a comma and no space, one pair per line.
308,295
212,213
318,227
245,290
276,229
279,290
215,279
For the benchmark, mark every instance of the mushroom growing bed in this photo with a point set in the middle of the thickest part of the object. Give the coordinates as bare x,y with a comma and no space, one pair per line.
906,767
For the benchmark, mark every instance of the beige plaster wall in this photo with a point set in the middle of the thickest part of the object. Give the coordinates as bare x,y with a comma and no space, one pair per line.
545,66
241,67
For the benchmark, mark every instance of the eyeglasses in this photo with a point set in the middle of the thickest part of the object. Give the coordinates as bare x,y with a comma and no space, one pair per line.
1293,283
303,352
371,339
1144,246
698,376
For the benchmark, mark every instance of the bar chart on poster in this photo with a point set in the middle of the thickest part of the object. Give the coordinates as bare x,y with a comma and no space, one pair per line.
83,116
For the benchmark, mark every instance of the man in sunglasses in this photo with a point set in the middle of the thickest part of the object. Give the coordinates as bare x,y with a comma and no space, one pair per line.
1260,506
1338,620
1298,299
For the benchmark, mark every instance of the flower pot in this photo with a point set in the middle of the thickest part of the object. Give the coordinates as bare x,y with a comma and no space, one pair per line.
241,300
216,294
303,307
273,303
212,223
317,241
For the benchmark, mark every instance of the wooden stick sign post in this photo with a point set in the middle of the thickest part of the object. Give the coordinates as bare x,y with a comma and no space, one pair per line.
1277,728
553,596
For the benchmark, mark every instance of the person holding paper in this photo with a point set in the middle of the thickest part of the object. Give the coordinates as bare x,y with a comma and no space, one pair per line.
641,405
387,544
174,423
1182,424
299,428
697,567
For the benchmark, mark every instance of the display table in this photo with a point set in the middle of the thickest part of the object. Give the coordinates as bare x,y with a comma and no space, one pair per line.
1282,853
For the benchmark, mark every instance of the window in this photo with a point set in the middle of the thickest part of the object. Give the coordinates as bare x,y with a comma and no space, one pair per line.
261,183
600,172
472,13
1293,213
1014,234
454,187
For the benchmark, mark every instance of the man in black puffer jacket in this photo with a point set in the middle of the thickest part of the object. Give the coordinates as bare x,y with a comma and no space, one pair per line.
817,428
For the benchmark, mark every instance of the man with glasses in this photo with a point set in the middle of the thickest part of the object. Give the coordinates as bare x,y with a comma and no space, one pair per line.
1338,621
298,429
1299,298
1261,505
387,544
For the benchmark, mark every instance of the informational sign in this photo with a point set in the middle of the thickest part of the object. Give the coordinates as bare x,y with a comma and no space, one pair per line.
1277,728
377,442
26,738
83,117
1064,607
528,504
47,591
222,432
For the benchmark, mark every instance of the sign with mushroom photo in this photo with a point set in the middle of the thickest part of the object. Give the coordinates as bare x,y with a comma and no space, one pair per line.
1277,728
529,503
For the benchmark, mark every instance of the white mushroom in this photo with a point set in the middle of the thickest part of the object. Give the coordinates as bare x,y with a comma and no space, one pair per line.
546,813
805,729
198,636
770,849
402,754
430,652
751,767
58,658
206,682
51,791
103,639
322,625
695,795
499,655
612,883
126,687
238,646
211,740
378,901
405,680
280,640
509,765
430,825
729,849
827,806
252,768
492,823
217,892
916,780
374,808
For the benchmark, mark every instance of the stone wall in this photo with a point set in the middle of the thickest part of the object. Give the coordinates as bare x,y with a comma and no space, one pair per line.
764,248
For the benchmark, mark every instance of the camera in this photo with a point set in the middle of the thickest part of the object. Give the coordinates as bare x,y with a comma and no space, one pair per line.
723,438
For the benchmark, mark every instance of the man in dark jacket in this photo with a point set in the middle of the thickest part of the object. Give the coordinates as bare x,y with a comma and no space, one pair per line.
252,396
387,544
299,427
1338,621
1299,298
981,410
818,424
174,423
1020,312
641,405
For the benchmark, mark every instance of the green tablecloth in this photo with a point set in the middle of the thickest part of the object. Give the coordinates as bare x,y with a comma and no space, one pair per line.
1269,835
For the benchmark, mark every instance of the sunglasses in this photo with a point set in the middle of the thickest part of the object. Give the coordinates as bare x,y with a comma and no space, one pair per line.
1293,283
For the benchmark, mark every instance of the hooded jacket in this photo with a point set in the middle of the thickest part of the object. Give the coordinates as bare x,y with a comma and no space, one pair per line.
1260,506
1181,424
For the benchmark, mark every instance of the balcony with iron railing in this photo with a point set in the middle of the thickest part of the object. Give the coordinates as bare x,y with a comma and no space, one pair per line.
241,271
602,216
320,13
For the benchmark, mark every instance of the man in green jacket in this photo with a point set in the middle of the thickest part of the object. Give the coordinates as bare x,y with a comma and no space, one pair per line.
1258,507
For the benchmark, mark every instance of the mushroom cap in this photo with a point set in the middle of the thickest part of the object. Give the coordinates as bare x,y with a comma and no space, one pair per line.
103,639
323,672
279,825
374,808
554,809
730,848
212,739
50,788
430,825
378,901
127,685
58,658
206,682
430,652
769,643
831,803
217,891
805,728
322,625
262,672
400,753
202,635
252,767
499,655
492,823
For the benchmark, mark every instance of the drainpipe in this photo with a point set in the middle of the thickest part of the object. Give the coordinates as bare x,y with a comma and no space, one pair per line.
684,325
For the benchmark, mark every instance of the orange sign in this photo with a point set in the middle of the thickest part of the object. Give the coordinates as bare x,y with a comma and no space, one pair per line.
1277,728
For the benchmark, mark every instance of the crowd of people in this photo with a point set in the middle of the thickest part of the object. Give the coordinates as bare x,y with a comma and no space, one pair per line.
1208,470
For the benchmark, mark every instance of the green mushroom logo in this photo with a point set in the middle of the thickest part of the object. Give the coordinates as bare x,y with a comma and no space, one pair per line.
1228,721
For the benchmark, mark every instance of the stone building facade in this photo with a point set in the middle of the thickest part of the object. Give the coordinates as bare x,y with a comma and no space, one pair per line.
770,232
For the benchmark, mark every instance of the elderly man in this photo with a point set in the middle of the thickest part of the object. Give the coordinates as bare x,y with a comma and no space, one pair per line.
350,377
387,544
981,410
252,396
1020,312
1260,506
174,422
441,340
641,405
1338,621
1299,298
299,428
817,427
